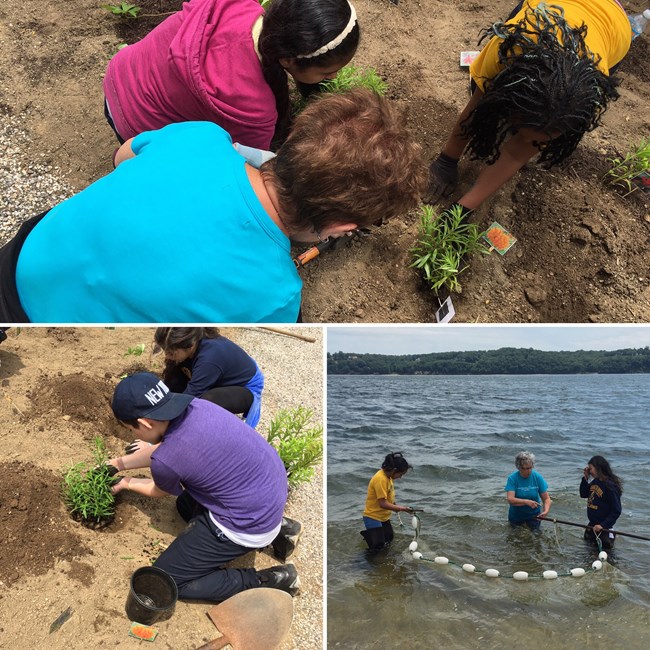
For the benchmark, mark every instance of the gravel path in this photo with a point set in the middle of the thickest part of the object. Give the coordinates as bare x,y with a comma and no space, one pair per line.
26,188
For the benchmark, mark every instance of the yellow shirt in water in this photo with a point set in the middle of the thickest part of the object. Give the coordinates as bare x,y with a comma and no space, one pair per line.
380,487
608,35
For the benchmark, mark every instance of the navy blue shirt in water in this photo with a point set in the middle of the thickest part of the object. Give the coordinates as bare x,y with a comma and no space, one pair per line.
603,502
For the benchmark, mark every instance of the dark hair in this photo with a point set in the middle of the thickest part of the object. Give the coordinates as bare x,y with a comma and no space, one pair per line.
348,159
396,461
297,27
550,82
133,423
605,472
181,338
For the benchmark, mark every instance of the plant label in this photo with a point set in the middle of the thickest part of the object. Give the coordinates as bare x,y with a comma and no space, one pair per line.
499,238
143,632
446,311
467,57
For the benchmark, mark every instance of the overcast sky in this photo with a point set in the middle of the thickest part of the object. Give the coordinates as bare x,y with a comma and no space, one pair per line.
420,339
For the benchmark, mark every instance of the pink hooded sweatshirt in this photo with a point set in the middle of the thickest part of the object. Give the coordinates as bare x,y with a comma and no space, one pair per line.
198,64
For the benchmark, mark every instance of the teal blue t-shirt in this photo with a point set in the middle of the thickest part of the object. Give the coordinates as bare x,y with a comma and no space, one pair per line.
174,235
525,488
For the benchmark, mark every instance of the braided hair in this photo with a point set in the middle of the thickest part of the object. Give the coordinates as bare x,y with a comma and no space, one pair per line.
550,82
299,27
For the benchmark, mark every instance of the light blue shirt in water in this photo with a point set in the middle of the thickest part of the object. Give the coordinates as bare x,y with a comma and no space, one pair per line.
525,488
175,234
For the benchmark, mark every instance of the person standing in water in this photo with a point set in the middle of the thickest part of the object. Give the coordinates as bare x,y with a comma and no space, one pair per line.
526,490
603,490
380,502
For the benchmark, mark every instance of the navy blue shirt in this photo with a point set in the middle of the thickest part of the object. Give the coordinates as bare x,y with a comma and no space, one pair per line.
218,362
603,501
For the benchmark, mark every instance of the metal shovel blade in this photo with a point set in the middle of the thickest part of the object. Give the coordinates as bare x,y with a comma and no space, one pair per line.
256,619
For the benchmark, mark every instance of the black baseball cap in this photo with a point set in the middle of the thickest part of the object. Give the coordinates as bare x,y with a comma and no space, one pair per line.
145,395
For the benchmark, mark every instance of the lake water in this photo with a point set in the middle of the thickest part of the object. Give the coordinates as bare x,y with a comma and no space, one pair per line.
461,435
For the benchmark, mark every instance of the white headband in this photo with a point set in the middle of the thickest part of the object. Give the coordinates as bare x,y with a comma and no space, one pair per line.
337,41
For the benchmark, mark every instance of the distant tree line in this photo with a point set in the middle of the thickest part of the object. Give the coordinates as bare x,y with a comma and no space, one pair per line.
506,361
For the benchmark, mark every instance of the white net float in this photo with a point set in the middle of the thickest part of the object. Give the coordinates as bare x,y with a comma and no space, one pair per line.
414,522
577,572
470,568
549,575
441,560
597,565
417,555
602,555
491,573
413,546
520,575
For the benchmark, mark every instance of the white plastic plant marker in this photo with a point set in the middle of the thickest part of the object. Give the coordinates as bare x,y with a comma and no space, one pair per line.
446,311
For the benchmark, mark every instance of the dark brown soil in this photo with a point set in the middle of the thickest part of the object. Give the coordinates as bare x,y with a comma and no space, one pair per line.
30,505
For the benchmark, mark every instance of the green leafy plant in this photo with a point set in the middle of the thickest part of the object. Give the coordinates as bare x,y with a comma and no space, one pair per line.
444,240
123,10
299,445
625,170
136,351
352,77
87,488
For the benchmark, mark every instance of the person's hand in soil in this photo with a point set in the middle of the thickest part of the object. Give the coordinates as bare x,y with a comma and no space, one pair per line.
136,445
443,177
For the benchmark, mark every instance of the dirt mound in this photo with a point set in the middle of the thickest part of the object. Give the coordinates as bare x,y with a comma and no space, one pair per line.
36,531
75,397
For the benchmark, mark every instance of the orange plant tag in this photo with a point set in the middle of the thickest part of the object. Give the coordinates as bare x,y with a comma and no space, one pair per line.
143,632
499,238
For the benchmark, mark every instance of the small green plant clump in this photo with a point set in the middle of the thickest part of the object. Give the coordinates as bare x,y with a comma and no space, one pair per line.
352,77
123,10
300,446
87,488
625,170
136,350
444,240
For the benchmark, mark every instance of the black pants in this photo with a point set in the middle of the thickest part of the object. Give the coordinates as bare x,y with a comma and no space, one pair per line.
196,557
11,310
377,538
109,119
236,399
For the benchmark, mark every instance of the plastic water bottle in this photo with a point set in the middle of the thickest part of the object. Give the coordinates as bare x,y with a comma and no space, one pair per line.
639,23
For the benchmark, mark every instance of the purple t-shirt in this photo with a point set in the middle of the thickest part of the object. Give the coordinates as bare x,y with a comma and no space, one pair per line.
199,64
225,465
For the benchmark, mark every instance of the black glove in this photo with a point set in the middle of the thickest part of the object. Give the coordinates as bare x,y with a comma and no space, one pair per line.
443,176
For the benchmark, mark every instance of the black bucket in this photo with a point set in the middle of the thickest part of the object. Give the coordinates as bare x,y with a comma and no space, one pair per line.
152,596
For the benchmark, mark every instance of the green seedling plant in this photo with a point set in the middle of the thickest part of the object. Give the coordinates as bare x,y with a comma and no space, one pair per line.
625,170
347,78
445,239
87,488
135,351
298,443
123,10
352,77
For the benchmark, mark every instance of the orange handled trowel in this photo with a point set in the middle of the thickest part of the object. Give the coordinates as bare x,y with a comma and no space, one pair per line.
256,619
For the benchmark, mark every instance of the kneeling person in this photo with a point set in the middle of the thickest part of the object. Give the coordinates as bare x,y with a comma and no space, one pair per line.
230,484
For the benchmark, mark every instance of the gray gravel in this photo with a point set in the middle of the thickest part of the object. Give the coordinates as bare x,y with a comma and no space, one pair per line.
26,187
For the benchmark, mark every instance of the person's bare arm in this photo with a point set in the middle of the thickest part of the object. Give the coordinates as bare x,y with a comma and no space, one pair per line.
123,153
456,142
515,153
144,486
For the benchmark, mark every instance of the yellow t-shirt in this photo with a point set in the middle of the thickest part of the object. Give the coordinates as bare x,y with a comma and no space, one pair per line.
608,35
380,487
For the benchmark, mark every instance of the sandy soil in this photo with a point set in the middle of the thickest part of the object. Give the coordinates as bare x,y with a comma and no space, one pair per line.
56,386
582,248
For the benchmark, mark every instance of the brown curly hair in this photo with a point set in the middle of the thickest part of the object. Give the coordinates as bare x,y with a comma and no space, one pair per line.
348,159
